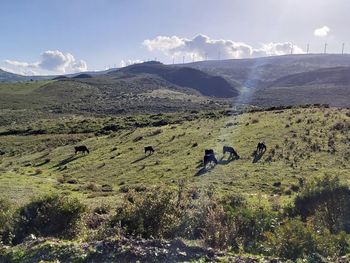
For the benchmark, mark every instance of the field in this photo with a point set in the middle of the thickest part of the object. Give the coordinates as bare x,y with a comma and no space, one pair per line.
115,198
301,143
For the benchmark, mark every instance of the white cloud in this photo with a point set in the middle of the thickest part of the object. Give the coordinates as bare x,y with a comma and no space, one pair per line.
201,47
124,63
322,31
52,62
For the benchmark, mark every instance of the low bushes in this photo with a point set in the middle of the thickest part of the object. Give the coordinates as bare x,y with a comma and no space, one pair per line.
298,231
6,217
47,216
295,239
327,202
156,213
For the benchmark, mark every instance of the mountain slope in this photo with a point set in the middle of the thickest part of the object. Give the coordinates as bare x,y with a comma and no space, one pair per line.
331,76
207,85
257,72
10,77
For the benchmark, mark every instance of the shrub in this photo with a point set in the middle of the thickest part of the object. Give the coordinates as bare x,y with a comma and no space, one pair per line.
6,214
51,215
341,126
327,201
232,223
156,213
295,239
291,240
219,229
251,224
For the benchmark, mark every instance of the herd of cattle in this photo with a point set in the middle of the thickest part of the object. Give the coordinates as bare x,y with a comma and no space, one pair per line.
209,155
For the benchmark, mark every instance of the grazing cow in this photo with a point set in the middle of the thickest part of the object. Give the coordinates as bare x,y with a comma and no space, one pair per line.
82,149
231,151
209,152
261,148
149,149
209,158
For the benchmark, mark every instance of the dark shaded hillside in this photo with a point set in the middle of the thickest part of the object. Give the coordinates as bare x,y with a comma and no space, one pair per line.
60,77
111,95
256,72
82,76
287,80
207,85
332,76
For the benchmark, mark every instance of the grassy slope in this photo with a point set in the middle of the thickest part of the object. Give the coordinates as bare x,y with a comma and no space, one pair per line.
118,159
28,101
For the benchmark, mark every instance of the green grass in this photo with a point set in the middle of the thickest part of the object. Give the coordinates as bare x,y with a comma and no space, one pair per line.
37,164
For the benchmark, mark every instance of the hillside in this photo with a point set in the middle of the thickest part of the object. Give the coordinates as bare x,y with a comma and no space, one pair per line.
10,77
325,76
286,80
207,85
155,87
130,206
257,71
98,96
297,140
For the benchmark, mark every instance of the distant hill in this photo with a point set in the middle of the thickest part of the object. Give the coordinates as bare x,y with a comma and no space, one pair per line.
82,76
60,77
204,83
287,80
331,76
153,87
257,72
117,93
10,77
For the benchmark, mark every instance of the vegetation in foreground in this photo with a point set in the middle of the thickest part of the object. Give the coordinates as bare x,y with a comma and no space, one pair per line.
60,228
280,206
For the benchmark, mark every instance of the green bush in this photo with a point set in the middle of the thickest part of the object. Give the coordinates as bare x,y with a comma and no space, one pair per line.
156,213
292,240
327,202
232,223
6,218
51,215
251,224
219,228
295,239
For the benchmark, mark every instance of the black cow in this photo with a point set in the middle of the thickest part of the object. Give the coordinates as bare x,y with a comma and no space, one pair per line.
209,158
82,149
261,148
209,152
231,151
149,149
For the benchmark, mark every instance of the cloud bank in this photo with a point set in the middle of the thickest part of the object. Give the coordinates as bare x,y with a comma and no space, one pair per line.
51,62
322,31
203,47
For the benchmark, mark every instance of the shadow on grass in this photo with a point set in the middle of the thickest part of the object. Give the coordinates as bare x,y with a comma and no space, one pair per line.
141,158
201,171
257,156
67,160
227,161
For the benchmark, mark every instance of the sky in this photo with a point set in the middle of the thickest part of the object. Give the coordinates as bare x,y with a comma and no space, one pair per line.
65,36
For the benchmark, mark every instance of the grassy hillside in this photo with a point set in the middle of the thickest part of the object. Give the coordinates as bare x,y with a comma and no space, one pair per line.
25,102
205,84
255,71
302,143
286,80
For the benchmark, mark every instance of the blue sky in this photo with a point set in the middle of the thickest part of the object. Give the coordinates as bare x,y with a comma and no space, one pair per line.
61,36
